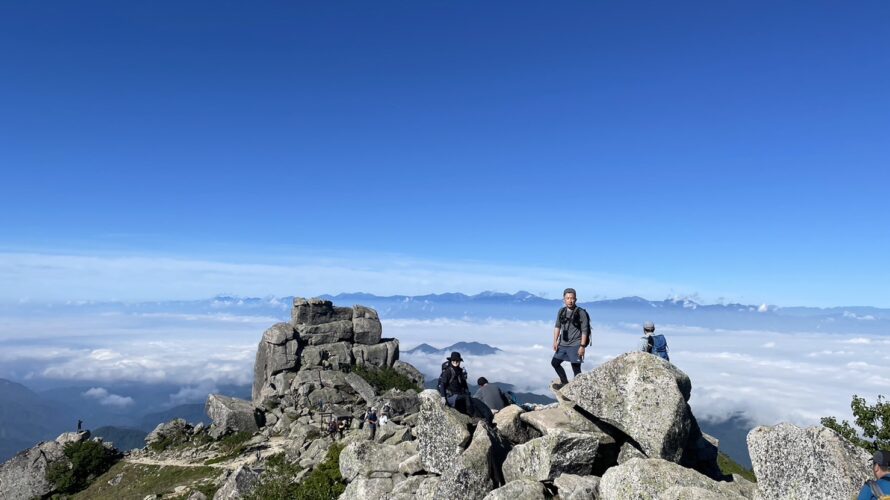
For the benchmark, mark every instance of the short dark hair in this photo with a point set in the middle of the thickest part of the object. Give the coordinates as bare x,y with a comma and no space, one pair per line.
569,291
482,381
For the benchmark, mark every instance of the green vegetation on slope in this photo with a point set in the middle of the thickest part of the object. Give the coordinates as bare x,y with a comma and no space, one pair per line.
86,461
137,481
729,466
230,447
323,483
384,379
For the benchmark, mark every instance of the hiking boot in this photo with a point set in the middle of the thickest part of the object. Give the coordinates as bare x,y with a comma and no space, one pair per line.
557,385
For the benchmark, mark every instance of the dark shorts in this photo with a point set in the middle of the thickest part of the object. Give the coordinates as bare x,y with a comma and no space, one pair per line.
568,353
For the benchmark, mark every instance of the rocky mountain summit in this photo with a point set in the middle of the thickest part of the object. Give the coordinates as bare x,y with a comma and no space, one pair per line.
622,431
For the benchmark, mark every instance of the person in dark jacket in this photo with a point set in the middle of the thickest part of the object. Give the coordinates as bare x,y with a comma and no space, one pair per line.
491,395
880,466
456,393
372,423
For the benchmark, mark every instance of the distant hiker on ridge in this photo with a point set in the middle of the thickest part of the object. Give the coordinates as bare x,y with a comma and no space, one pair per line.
653,344
571,336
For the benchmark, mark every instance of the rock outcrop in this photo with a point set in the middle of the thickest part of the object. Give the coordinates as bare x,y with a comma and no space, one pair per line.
816,462
547,457
647,479
642,395
24,475
232,415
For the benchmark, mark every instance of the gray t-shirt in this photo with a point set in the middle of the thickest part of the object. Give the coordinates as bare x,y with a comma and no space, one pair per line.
569,334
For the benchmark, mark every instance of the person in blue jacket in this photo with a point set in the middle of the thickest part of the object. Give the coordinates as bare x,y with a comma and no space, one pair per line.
879,487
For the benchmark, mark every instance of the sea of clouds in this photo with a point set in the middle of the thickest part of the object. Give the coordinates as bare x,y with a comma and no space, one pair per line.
767,375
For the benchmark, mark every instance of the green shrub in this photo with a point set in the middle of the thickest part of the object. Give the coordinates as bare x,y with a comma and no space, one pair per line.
86,461
384,379
873,420
323,483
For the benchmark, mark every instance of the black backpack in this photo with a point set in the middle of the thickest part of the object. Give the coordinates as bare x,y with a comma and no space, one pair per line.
575,319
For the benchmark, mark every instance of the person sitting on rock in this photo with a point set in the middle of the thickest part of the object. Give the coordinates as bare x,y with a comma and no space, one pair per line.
456,393
491,395
879,487
653,344
372,423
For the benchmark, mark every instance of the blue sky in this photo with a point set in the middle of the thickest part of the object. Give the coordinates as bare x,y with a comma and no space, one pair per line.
729,149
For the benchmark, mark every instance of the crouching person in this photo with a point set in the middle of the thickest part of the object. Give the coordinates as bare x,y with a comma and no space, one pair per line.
456,393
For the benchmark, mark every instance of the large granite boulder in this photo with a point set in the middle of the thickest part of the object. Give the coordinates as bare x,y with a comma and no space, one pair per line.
695,493
547,457
325,333
24,475
232,415
467,475
520,489
646,479
643,396
409,371
172,432
363,458
311,312
816,462
370,488
400,402
574,487
441,432
366,325
512,427
362,388
240,483
561,419
335,355
381,355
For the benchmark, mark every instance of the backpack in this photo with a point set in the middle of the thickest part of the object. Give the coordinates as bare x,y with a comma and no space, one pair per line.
510,398
658,346
576,320
876,490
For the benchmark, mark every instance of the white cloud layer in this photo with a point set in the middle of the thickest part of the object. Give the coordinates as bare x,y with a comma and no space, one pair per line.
770,376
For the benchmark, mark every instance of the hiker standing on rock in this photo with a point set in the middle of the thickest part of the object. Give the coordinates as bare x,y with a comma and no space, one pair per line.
372,423
571,335
880,486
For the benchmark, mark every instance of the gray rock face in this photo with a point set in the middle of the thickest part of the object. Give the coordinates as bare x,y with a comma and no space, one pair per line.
642,395
694,493
366,457
561,419
628,452
337,354
23,476
326,333
411,465
441,433
467,475
364,487
521,489
382,355
573,487
400,402
547,457
744,487
240,483
512,427
231,415
317,312
816,462
362,387
646,479
409,371
366,325
276,352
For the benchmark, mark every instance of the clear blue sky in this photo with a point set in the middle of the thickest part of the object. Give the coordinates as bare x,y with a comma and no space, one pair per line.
735,147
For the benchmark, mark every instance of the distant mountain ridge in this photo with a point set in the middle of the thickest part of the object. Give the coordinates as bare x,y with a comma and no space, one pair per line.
465,348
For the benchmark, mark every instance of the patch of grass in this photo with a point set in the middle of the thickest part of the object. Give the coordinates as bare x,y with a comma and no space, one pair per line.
384,379
85,461
323,483
230,447
138,481
729,466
